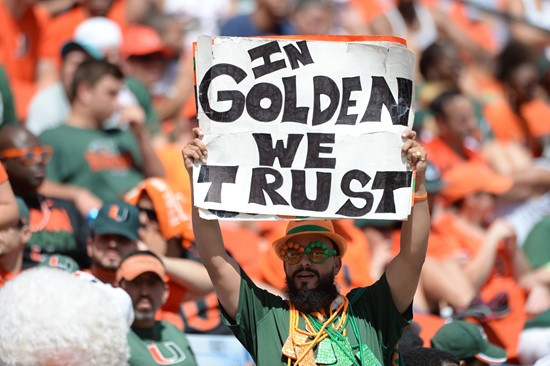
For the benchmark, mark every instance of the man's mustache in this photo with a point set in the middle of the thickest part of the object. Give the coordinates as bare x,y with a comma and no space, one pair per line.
146,298
306,269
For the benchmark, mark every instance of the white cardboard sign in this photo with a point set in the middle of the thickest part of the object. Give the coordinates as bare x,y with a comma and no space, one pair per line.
298,128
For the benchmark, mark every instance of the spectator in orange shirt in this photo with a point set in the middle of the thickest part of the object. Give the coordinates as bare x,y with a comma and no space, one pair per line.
22,48
456,143
63,27
12,242
518,116
456,126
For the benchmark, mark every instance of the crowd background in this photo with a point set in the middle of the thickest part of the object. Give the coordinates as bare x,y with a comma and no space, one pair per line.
97,102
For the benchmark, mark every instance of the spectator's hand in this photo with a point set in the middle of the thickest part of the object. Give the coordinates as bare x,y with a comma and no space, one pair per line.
134,116
153,240
415,154
501,230
86,201
195,151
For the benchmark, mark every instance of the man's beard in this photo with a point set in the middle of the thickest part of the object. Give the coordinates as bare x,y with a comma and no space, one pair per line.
309,300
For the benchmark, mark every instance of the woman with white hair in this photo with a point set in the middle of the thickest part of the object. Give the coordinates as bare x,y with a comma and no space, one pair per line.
50,317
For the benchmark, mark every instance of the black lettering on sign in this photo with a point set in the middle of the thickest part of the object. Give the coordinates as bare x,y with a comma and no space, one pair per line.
348,208
314,148
217,175
267,153
259,185
381,96
292,113
327,86
348,85
265,51
389,182
257,94
236,97
299,198
294,54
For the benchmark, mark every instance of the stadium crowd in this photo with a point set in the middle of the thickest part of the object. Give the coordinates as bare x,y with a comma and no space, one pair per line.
97,104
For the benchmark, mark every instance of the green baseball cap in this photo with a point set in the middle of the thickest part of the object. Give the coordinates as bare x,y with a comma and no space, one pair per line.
59,261
117,217
466,340
24,214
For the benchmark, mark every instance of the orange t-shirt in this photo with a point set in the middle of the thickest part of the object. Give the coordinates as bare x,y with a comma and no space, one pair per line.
21,43
503,331
445,158
21,46
3,174
371,9
5,277
507,125
244,246
62,27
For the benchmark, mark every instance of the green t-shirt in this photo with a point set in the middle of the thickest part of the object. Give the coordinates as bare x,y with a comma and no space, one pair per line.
262,323
107,163
7,108
535,246
163,344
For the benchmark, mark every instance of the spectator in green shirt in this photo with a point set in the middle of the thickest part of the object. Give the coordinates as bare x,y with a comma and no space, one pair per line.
318,325
88,160
143,275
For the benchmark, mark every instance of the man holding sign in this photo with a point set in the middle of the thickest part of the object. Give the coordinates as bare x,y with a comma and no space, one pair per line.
317,325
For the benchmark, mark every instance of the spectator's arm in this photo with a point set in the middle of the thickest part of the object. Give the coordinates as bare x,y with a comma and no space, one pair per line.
152,167
528,183
83,199
403,272
223,271
189,274
183,89
480,267
521,30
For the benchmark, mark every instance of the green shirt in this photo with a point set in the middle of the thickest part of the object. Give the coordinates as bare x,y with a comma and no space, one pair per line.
107,163
163,344
262,323
7,108
535,246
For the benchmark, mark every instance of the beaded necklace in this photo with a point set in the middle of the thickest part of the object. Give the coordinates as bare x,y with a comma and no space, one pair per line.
300,343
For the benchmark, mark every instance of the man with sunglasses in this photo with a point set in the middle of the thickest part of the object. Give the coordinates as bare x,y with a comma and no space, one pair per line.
56,224
318,325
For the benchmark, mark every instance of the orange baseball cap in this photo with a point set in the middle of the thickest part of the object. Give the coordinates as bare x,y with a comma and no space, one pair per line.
168,204
138,263
302,227
140,40
472,177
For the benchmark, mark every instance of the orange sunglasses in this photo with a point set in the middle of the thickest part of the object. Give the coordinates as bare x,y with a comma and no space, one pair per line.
35,155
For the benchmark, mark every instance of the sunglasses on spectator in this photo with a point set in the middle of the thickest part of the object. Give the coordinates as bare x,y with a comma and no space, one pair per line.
151,213
32,156
317,252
